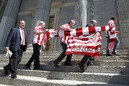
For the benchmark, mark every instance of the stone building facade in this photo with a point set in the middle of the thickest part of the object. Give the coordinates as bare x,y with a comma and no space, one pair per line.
58,12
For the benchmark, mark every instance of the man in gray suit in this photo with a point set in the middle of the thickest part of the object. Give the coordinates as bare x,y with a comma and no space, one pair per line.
16,43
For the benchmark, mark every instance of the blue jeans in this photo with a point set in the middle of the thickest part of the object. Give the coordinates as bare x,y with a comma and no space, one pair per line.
116,45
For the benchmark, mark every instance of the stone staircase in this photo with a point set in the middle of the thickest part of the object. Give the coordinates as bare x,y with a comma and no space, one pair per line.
107,71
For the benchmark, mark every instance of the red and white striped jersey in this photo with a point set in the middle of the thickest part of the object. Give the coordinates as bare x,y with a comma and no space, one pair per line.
80,41
85,41
111,23
83,31
38,38
64,27
22,36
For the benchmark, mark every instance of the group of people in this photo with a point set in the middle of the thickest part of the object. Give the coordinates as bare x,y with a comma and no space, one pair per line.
111,23
16,43
85,60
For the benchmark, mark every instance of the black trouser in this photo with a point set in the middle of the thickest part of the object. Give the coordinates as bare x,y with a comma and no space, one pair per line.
116,44
14,60
62,55
85,60
35,57
107,50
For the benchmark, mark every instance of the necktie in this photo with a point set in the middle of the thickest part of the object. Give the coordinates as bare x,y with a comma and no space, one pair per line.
23,38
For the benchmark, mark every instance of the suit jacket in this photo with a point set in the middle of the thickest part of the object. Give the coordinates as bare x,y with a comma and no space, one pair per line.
14,40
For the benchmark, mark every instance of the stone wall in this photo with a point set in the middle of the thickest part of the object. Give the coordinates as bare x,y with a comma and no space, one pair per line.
123,18
27,13
33,11
79,10
8,20
2,7
66,14
104,10
101,10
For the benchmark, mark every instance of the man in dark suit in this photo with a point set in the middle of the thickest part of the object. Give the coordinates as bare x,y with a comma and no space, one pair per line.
16,44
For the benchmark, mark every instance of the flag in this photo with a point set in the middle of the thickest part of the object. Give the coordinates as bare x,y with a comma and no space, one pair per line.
85,41
83,31
85,45
49,33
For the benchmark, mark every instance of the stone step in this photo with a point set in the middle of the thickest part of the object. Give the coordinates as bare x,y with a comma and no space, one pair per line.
90,77
110,78
96,63
58,53
75,59
120,50
107,71
42,55
104,68
4,85
73,56
41,81
90,69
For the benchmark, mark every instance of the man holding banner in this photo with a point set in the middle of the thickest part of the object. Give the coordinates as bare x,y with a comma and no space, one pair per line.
89,45
111,23
91,60
85,41
65,27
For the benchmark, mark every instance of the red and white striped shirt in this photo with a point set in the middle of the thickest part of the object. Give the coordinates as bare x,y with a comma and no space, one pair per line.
22,36
38,38
111,23
64,27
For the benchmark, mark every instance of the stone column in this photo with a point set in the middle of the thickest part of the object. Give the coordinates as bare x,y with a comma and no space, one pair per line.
123,22
8,20
81,13
42,12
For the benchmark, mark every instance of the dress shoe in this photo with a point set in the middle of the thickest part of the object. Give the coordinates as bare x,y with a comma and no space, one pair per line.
6,70
56,65
27,67
114,53
67,64
90,63
108,55
81,67
37,68
13,76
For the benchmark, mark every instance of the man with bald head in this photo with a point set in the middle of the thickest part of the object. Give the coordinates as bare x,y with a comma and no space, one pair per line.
16,43
66,27
38,36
